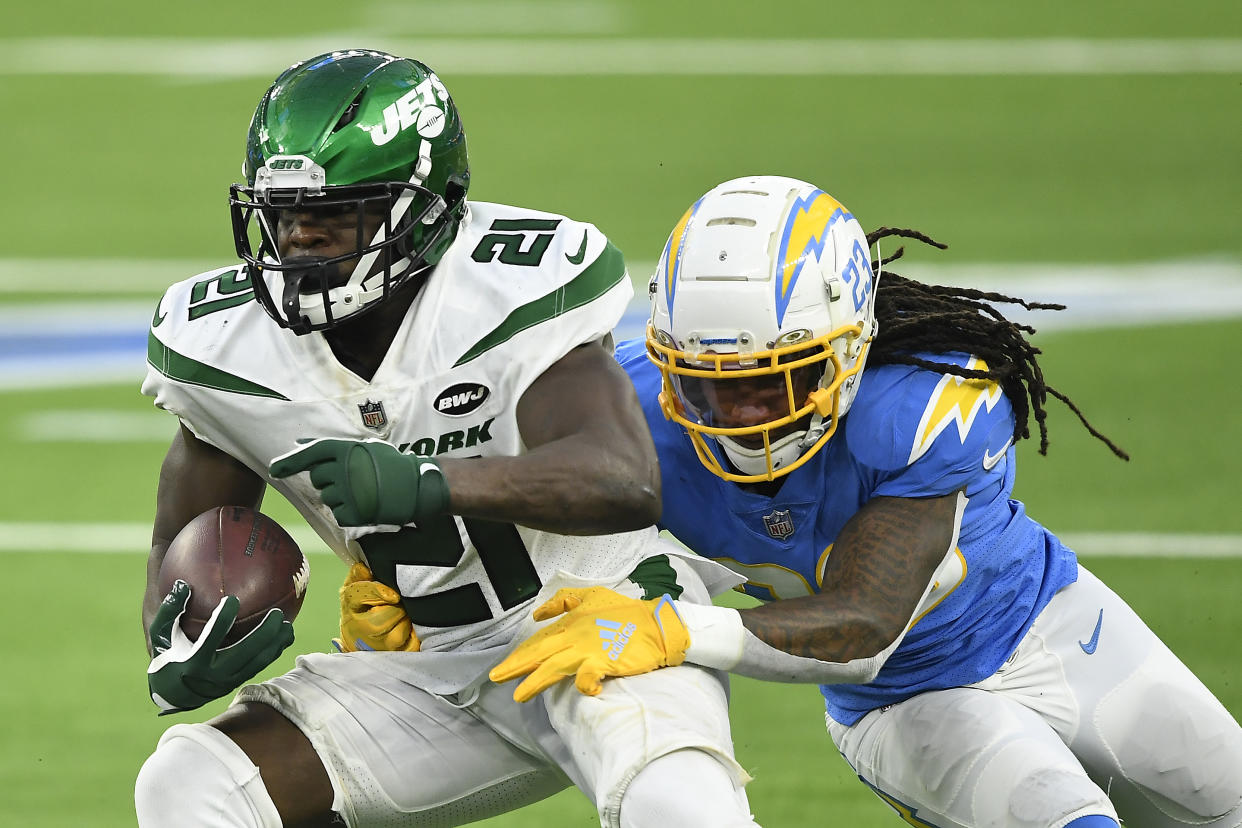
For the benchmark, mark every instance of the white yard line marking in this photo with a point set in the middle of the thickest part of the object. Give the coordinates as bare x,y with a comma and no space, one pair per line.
106,537
188,57
1153,545
96,426
136,538
501,17
107,276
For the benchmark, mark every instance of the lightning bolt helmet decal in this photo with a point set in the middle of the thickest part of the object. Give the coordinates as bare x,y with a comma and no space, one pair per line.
805,233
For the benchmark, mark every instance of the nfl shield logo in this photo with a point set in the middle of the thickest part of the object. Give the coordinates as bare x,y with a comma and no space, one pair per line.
779,524
373,414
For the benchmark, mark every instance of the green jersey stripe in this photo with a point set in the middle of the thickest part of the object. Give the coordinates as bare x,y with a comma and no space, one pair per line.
657,577
600,276
204,308
182,368
525,224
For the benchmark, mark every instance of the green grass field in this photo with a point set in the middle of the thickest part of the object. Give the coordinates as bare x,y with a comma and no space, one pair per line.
115,160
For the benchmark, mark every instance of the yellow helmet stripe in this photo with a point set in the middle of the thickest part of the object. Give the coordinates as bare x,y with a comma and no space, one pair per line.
673,251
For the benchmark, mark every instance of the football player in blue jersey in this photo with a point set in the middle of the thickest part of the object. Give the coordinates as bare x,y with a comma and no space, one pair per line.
975,674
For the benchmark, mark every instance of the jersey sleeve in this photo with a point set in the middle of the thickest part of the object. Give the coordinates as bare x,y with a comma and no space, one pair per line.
925,434
632,355
595,293
574,293
168,379
194,350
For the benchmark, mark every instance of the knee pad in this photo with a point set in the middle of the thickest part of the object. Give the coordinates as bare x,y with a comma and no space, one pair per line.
1041,790
686,787
642,719
1185,760
197,770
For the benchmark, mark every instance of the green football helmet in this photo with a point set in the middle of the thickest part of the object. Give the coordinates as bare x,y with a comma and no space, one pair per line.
350,133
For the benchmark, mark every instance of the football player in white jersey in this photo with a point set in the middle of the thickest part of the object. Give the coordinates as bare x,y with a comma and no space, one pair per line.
974,673
430,382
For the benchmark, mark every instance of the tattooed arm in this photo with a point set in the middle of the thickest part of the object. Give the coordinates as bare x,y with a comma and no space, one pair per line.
880,565
882,571
881,568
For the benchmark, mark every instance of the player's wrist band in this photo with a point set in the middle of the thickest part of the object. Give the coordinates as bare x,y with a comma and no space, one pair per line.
716,634
433,491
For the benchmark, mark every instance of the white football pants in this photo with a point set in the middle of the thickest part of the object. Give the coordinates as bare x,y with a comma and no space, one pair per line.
1091,712
649,750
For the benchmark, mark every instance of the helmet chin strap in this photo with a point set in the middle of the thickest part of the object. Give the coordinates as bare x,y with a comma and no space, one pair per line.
345,300
755,461
784,451
814,431
355,295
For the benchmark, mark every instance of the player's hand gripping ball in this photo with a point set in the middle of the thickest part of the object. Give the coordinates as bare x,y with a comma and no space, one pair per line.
372,617
233,580
232,550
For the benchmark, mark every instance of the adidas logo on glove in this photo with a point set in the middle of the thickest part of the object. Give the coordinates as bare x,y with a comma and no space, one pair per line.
614,636
602,634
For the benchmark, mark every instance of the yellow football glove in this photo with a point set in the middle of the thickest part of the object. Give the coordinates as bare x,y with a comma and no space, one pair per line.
602,633
372,617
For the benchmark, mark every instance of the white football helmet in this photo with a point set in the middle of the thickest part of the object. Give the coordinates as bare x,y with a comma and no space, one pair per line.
762,311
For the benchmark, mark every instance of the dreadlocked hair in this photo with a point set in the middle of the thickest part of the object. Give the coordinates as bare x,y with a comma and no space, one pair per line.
916,317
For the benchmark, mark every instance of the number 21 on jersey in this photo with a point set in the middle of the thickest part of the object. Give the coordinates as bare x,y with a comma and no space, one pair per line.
416,555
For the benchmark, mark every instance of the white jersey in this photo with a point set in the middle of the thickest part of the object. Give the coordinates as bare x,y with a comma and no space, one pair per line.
516,291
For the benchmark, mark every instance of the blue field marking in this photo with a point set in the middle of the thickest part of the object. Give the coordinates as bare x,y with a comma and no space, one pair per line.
50,348
73,344
79,343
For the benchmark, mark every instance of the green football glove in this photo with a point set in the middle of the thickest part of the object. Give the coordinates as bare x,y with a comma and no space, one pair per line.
369,482
186,674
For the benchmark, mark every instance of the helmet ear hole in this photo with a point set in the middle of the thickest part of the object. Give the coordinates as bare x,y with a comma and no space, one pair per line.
454,194
350,113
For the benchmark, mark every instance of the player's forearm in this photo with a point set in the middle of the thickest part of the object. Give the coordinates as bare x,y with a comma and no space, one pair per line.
572,487
797,643
880,573
819,627
151,596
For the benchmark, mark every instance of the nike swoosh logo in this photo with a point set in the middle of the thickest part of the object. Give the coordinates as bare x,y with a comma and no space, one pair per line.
1090,646
990,460
581,254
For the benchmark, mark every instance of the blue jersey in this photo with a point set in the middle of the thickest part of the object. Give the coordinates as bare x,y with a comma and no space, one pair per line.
910,432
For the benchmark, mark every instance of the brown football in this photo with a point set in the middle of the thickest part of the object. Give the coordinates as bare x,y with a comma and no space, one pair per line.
232,550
